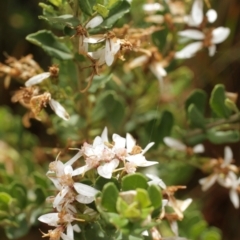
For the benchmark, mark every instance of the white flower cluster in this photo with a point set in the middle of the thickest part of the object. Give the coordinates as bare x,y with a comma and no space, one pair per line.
106,157
101,155
55,105
64,202
225,174
206,37
105,54
197,29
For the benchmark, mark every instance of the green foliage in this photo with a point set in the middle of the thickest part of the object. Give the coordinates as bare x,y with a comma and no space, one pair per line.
86,7
217,102
109,197
124,99
51,44
195,117
199,99
133,181
116,12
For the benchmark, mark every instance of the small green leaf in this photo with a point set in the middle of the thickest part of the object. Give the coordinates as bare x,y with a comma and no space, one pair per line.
99,82
160,128
219,137
111,106
155,196
57,3
19,192
196,230
231,105
51,44
134,181
198,98
5,200
47,8
142,198
116,13
109,197
20,230
112,3
4,214
211,235
195,117
101,182
62,20
40,179
217,102
101,9
40,195
132,211
118,220
121,205
85,6
199,138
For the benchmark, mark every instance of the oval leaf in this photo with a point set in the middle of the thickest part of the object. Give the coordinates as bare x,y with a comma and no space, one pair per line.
134,181
50,44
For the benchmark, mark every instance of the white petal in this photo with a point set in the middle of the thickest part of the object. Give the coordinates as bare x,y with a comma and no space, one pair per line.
99,55
212,50
97,141
85,190
73,159
228,156
60,196
96,21
184,204
70,230
211,15
234,198
84,199
59,109
111,48
220,34
131,142
94,39
56,183
149,7
175,144
104,135
158,71
174,227
37,79
197,11
225,181
164,202
68,170
208,181
81,170
65,237
76,228
140,161
106,169
199,148
156,181
147,148
137,62
119,141
189,51
49,218
192,34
